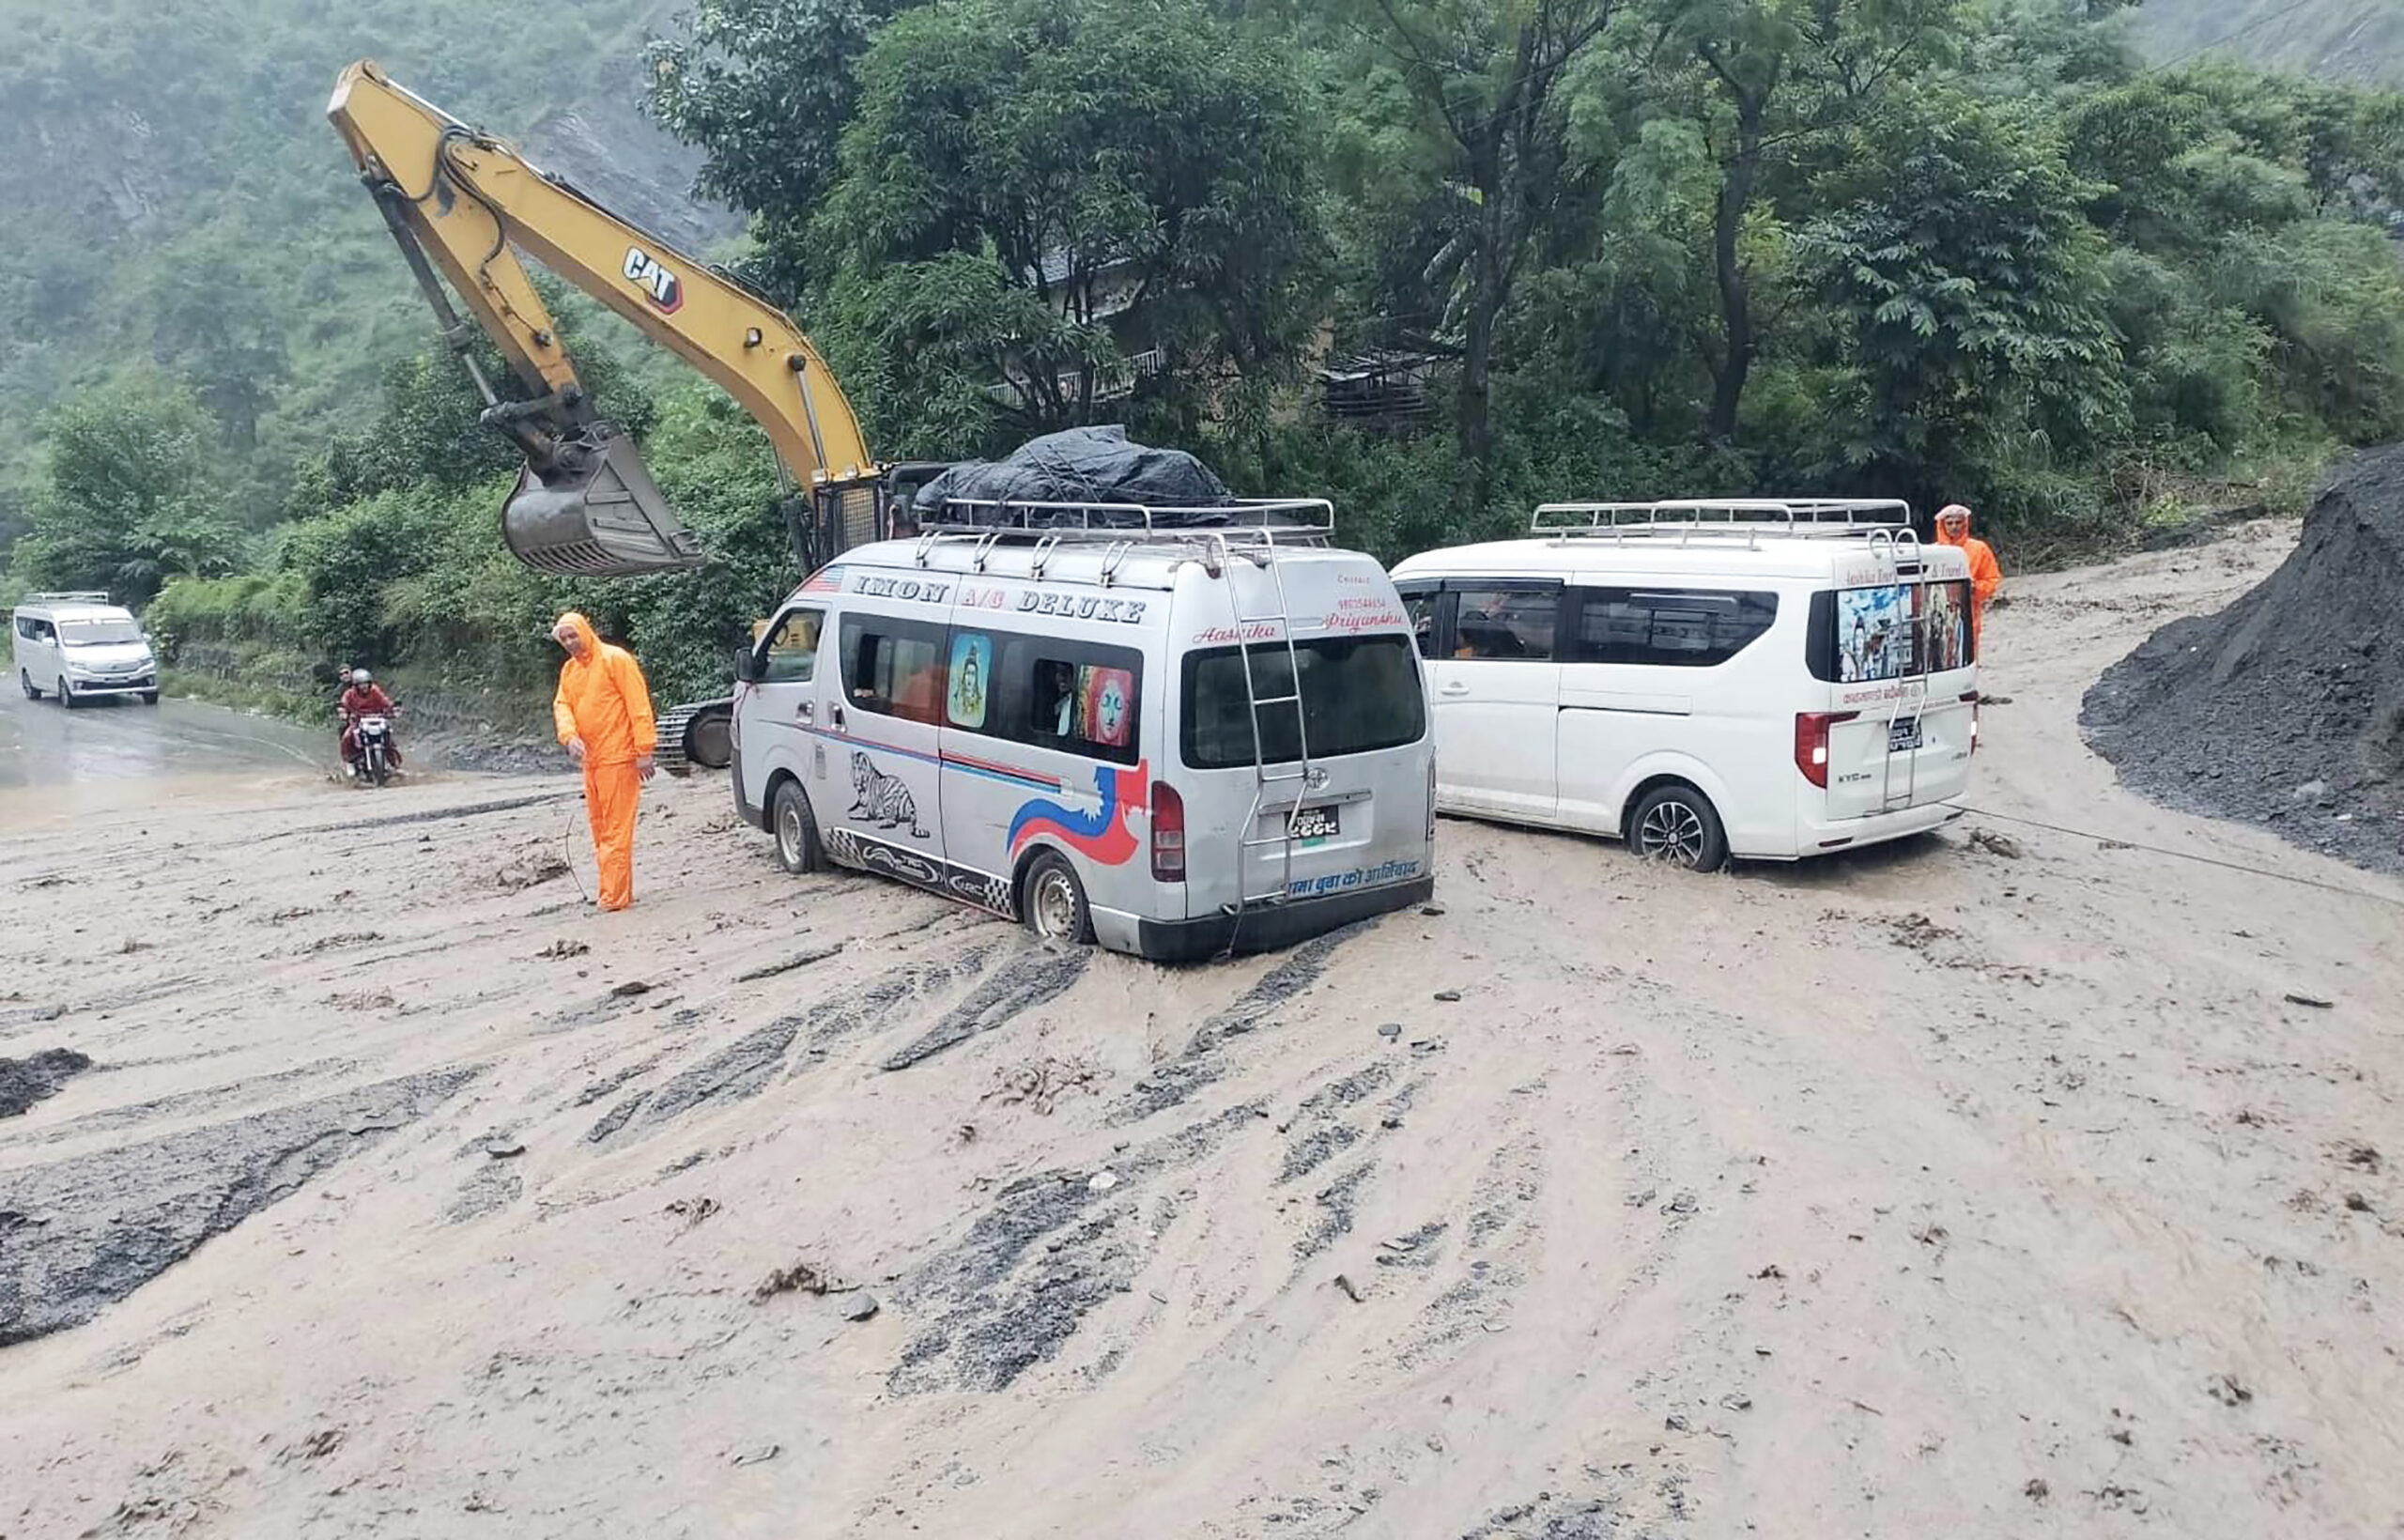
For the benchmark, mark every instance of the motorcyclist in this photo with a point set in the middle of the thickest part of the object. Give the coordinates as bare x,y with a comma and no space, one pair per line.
363,697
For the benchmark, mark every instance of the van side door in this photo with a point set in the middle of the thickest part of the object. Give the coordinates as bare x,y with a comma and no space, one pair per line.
883,800
1496,695
1043,743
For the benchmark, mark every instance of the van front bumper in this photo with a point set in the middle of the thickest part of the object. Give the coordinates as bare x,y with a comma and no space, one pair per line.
86,689
1269,927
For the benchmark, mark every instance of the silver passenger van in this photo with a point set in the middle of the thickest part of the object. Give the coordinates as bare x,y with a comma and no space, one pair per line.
79,647
1178,733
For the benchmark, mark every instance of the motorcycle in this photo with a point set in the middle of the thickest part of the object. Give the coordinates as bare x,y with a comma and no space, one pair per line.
373,737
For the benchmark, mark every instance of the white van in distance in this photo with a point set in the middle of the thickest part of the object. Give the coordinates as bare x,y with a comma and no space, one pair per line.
1180,732
80,647
1763,679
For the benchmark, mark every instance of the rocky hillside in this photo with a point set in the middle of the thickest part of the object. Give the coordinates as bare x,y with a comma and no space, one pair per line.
2356,41
188,203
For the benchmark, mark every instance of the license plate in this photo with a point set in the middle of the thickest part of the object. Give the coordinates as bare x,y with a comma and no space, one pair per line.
1902,736
1316,823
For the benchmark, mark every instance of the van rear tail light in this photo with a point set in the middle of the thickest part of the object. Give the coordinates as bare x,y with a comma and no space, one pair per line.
1970,698
1168,833
1811,743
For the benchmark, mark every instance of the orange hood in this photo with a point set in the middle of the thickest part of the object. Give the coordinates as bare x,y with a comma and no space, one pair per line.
574,620
1945,515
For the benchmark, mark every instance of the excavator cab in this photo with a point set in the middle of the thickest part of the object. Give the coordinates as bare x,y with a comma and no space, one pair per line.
590,510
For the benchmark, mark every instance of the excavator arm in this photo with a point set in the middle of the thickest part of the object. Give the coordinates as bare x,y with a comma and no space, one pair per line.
463,205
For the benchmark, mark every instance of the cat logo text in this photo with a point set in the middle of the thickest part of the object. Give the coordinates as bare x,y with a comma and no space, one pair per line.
659,285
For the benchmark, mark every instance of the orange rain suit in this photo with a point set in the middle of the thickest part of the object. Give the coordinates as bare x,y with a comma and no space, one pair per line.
1986,577
603,700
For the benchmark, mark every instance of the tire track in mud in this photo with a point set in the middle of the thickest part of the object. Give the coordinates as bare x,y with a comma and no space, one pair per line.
79,1235
1045,1253
1182,1078
746,1067
1032,981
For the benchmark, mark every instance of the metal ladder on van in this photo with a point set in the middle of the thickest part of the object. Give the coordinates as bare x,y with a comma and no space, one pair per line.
1266,780
1910,703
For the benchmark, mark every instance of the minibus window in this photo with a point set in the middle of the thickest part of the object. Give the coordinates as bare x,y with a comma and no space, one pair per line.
792,654
94,632
1051,692
894,668
1888,631
1515,623
1360,694
1673,627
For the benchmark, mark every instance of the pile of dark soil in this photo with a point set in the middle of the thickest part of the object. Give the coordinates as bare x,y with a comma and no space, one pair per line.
2285,709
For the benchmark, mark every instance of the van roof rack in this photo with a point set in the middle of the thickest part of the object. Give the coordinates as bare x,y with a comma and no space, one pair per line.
78,595
1253,528
1749,520
1134,520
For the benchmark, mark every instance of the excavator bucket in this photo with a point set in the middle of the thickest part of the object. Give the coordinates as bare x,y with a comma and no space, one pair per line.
594,512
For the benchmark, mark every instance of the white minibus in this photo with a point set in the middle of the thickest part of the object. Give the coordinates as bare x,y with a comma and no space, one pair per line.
1768,679
1178,733
80,647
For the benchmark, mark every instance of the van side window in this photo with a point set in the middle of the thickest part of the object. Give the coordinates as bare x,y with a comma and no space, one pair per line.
791,656
971,681
1691,628
894,668
1421,601
1499,623
1046,692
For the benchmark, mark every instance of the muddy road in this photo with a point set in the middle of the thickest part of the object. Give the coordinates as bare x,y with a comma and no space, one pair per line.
43,744
368,1183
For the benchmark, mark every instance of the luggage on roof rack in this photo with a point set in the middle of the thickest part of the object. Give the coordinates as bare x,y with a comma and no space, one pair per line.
1088,467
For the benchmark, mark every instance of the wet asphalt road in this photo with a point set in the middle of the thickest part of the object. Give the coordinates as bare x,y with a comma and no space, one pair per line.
43,744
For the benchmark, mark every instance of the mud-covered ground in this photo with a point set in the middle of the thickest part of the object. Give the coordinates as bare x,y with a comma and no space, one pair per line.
2044,1185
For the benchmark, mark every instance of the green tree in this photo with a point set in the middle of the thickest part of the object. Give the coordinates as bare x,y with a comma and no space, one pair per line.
129,494
1963,295
765,88
1024,179
1769,81
1465,107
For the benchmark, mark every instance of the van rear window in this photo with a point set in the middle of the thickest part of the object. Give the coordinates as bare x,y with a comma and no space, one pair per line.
1889,631
1358,694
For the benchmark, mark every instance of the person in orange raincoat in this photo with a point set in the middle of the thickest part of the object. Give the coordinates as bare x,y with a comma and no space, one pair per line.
1986,577
603,714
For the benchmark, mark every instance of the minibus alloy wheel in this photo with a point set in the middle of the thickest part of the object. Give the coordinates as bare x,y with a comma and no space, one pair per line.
1677,825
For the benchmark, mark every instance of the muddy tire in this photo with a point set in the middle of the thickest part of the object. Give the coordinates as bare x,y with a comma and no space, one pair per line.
1053,902
150,698
795,828
1677,825
25,683
66,693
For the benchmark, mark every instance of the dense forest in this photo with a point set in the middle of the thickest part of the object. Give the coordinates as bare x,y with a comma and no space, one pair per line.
1435,259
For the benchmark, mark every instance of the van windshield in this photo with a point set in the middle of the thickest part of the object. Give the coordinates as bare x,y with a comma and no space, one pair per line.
1358,694
97,631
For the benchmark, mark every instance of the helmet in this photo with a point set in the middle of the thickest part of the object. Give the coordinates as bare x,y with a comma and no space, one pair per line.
361,676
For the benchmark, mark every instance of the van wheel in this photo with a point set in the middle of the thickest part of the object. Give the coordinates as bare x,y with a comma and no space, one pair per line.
1678,824
150,698
25,683
66,693
1056,902
796,830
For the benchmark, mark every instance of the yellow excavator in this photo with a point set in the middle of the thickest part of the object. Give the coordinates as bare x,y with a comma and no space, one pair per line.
463,203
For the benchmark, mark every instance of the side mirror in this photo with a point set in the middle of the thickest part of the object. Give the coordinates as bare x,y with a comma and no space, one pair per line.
746,666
